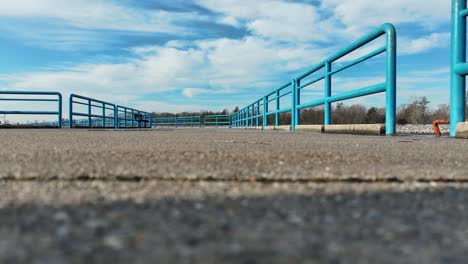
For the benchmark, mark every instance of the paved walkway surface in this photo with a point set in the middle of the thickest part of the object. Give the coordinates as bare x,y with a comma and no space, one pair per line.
230,196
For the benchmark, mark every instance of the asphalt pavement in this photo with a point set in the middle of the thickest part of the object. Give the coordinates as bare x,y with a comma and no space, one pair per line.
231,196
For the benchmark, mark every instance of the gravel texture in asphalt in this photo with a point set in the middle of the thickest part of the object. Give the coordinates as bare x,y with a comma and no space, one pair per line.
228,222
227,155
230,196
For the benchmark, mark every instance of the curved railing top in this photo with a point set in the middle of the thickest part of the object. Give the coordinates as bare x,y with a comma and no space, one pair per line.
89,98
295,85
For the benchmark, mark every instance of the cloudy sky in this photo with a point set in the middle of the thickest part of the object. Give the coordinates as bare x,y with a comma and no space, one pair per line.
181,55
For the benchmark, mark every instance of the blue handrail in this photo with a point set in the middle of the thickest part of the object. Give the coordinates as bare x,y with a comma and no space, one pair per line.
458,65
37,93
93,120
218,120
250,115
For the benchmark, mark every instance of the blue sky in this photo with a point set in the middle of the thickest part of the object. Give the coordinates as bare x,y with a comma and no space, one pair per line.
177,55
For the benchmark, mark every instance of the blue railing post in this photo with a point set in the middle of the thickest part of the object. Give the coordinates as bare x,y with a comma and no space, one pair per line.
125,117
252,117
70,112
116,117
176,122
59,124
293,104
247,116
277,121
265,110
458,56
258,113
103,115
254,114
298,102
391,82
328,87
241,118
89,114
247,109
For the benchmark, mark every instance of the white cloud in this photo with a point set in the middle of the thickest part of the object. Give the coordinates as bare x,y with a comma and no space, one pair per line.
163,70
359,15
277,20
191,92
96,14
424,43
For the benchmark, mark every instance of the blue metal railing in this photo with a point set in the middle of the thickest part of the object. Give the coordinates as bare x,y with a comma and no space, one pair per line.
179,121
92,120
127,118
259,110
58,113
458,65
218,120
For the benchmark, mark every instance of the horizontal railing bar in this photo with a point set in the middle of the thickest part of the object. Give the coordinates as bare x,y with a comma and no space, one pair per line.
97,106
28,113
29,100
284,110
177,120
317,67
359,60
93,115
30,93
80,103
90,99
128,108
161,118
461,68
280,88
220,122
380,31
311,82
378,88
463,13
311,104
93,105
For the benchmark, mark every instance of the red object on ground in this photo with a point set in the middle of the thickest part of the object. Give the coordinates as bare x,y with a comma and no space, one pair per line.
436,124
